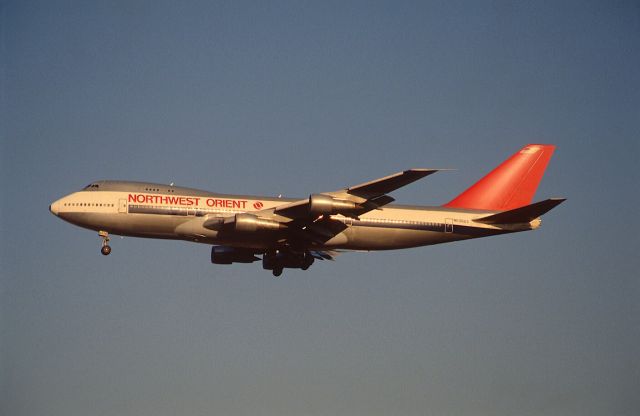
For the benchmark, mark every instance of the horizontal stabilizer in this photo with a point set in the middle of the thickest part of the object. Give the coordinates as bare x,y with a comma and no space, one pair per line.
524,214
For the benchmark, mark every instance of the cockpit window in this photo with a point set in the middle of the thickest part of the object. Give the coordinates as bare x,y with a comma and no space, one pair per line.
91,186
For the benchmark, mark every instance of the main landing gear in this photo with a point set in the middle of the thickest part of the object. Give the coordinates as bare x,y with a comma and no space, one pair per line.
106,248
277,260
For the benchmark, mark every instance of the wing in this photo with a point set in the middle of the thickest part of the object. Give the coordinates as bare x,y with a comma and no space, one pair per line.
308,221
379,187
353,201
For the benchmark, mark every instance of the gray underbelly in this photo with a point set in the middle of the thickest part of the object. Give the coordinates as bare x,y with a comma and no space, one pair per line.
376,238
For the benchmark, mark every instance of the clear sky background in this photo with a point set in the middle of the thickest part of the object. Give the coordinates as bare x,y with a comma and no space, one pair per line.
298,97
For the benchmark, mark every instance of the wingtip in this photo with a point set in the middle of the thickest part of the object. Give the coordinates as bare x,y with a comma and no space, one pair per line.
428,169
424,171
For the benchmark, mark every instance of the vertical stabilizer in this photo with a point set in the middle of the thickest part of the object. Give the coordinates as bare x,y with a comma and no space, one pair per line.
511,185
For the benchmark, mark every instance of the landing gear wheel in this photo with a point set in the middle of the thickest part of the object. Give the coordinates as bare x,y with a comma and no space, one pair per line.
106,248
277,271
307,262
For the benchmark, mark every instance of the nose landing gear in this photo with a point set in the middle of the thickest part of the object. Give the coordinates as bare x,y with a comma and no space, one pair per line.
106,248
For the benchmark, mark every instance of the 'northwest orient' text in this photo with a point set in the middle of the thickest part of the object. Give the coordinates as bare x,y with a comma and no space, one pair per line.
187,201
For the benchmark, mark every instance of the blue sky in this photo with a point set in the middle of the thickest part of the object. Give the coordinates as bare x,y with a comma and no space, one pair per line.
298,97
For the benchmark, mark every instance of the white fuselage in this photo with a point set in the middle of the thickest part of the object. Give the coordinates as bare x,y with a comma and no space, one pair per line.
160,211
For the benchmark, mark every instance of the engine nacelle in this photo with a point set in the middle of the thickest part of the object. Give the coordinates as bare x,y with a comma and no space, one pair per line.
249,223
228,255
320,204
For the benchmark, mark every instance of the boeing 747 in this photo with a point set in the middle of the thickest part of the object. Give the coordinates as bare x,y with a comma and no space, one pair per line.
293,233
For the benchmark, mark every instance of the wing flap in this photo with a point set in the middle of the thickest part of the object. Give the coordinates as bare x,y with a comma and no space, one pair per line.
326,254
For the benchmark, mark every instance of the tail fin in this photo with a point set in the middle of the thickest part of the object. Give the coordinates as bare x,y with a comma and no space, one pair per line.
511,185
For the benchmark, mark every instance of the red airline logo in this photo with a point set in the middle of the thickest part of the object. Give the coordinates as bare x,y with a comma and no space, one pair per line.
187,201
258,205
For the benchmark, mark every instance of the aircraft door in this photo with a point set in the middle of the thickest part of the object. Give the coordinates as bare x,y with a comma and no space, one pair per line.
122,206
448,225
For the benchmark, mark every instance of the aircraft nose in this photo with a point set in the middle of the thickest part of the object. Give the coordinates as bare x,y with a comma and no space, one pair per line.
54,208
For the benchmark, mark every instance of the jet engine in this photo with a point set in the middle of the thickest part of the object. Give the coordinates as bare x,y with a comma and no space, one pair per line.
320,204
228,255
248,223
243,223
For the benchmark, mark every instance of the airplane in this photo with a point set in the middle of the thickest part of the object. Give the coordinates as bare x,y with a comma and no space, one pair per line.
293,233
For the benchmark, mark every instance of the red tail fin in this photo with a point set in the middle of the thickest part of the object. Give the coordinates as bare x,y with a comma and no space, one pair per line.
510,185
